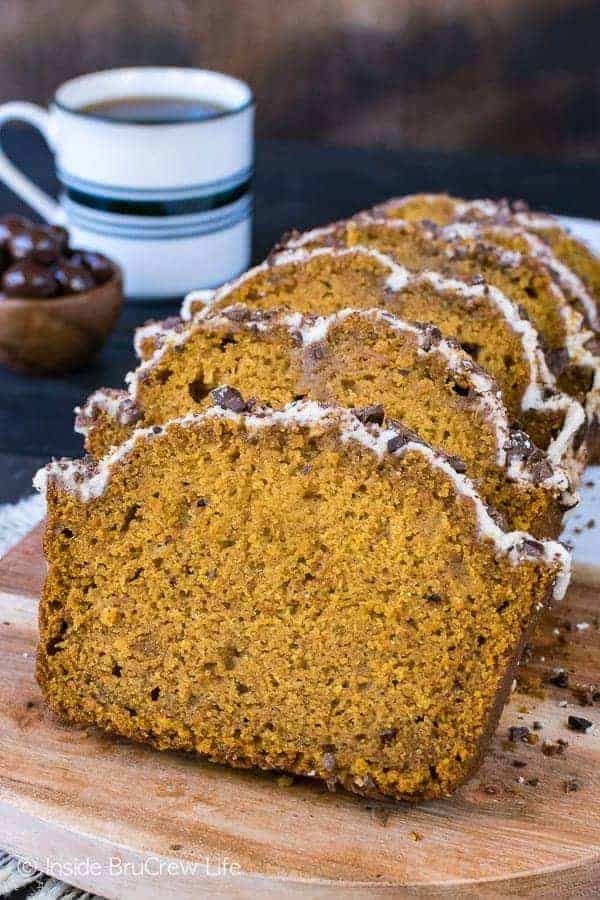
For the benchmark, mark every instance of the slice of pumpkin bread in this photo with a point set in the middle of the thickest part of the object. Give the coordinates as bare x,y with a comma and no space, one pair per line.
578,263
485,322
575,266
292,590
471,251
457,251
349,358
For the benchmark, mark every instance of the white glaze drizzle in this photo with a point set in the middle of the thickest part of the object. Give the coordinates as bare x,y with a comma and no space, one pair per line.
115,404
525,224
568,280
313,329
565,278
111,401
399,277
148,332
576,335
76,478
201,297
489,397
490,208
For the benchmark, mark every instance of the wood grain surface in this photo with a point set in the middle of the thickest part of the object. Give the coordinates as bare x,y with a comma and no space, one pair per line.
512,76
125,821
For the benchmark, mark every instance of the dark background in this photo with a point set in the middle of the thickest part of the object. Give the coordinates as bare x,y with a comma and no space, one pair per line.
518,77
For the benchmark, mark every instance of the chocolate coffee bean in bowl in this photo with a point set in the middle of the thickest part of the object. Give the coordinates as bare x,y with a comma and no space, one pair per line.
58,304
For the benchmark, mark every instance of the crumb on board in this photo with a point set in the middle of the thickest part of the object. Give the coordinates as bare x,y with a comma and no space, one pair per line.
579,724
554,748
559,679
586,694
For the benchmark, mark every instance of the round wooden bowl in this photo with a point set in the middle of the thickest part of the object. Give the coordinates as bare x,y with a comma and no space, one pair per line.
61,334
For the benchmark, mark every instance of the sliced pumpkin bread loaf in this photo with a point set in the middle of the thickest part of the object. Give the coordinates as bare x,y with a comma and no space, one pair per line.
485,322
351,358
293,590
472,251
581,264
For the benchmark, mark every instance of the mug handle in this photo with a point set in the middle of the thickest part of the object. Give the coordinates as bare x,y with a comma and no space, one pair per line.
24,187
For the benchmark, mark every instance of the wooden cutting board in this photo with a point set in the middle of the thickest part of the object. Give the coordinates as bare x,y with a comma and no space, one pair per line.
124,821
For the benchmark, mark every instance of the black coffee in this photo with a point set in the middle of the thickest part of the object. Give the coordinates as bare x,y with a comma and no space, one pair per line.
154,110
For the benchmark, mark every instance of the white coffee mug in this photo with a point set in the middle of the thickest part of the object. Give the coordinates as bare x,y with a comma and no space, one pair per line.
170,202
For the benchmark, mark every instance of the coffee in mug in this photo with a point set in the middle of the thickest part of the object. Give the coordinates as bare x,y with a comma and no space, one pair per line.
155,166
